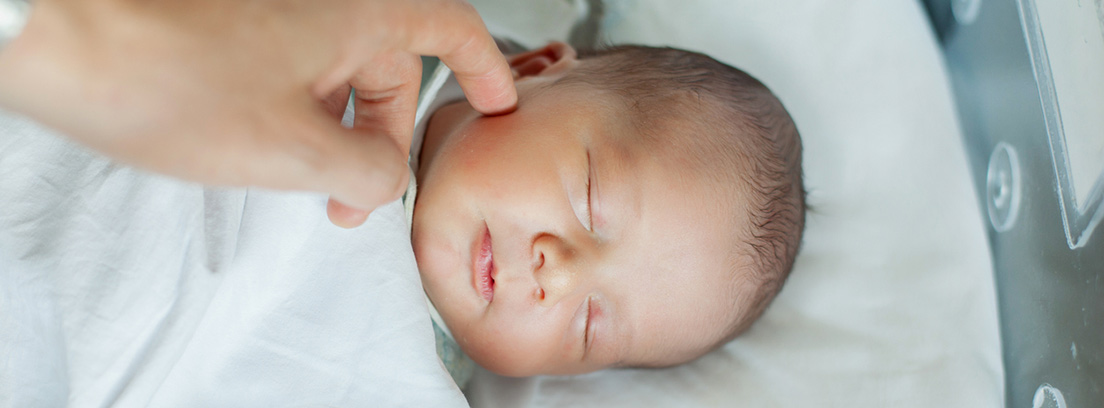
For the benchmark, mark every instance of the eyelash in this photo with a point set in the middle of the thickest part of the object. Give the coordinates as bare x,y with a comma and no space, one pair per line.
590,218
589,213
586,328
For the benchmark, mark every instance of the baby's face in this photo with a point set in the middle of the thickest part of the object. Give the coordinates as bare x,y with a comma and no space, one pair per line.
553,242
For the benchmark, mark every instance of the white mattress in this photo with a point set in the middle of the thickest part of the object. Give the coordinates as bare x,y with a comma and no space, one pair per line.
891,303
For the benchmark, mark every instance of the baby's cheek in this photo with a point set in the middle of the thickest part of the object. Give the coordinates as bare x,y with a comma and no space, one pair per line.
503,349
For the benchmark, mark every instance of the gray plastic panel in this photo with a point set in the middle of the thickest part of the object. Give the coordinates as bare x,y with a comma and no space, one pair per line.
1048,255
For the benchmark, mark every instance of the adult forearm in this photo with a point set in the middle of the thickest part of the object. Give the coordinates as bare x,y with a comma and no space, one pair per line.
26,62
49,71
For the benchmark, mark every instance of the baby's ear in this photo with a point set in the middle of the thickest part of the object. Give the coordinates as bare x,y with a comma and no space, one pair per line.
554,58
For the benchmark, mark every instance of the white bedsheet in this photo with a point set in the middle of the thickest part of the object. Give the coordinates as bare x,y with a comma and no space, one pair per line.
891,302
121,288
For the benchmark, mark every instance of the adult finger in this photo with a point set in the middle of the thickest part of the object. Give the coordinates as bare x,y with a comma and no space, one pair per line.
336,103
386,96
345,216
360,169
453,31
371,171
385,102
340,214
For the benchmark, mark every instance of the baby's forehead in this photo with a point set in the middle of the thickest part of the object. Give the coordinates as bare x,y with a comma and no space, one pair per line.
696,153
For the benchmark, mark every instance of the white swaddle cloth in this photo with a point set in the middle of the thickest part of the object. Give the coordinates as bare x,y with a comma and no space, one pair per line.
128,289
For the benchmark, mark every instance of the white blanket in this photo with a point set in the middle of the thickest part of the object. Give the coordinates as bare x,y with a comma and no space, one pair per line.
122,288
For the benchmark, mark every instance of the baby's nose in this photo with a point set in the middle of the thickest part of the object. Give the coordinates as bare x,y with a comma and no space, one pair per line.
556,266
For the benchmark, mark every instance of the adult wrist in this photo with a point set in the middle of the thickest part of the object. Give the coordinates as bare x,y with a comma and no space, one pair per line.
22,49
43,60
13,17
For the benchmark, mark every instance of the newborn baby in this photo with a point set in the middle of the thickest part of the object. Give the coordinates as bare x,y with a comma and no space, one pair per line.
641,207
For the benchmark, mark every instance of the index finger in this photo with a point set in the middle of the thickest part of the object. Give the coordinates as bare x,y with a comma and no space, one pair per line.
453,31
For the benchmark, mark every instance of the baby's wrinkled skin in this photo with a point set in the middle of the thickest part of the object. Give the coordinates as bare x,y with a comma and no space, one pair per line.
605,252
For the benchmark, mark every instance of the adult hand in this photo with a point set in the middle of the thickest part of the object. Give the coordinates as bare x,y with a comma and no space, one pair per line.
242,92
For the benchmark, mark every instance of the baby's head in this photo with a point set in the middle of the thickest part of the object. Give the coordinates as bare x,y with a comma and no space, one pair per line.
641,207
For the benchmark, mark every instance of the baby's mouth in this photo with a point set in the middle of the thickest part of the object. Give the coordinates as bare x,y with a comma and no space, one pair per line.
483,266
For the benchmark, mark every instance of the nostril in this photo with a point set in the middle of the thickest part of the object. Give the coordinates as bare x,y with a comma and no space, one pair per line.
540,293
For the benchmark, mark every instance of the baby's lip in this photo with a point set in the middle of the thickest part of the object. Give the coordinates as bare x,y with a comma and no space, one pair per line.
483,266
